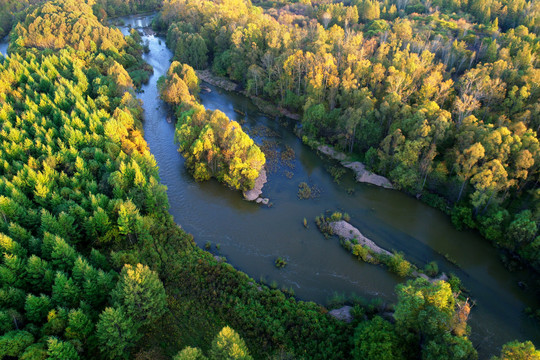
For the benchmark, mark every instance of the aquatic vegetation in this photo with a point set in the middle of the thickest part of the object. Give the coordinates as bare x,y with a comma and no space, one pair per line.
270,150
280,262
288,156
307,192
304,191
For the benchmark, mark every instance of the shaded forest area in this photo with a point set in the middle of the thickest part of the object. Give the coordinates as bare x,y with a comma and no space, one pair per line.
93,265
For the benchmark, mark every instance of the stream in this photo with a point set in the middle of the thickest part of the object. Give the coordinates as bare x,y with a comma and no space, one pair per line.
252,236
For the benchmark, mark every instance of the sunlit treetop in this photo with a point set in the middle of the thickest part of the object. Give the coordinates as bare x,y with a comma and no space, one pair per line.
62,23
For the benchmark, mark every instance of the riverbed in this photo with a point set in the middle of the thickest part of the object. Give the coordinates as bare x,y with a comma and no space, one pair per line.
252,236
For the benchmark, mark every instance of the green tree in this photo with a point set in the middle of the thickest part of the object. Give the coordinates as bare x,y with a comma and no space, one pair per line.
228,345
79,326
190,353
191,49
35,352
61,350
140,293
56,322
426,317
424,308
37,307
516,350
62,255
376,340
38,274
13,343
97,287
449,347
117,333
522,229
64,291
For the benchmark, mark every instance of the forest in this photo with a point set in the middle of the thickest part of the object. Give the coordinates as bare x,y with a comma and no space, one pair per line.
441,97
92,264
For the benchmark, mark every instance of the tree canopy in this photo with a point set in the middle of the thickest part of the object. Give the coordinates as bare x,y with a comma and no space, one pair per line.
213,145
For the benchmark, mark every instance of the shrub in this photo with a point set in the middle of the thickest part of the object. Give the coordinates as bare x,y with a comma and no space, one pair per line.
360,252
324,226
455,283
399,265
462,217
336,216
431,269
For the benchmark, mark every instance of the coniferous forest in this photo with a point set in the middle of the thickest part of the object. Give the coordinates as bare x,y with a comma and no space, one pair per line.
441,97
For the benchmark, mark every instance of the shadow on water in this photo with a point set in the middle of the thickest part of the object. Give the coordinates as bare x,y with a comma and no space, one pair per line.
251,237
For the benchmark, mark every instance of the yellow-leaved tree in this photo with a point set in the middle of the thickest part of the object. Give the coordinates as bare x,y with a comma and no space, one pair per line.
213,145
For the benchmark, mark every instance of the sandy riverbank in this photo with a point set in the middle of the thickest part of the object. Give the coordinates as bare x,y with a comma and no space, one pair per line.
349,232
362,174
255,193
345,230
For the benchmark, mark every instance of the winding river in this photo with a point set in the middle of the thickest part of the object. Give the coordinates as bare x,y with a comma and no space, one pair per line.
252,236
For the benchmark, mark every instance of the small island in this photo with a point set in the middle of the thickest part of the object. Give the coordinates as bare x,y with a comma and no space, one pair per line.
365,249
213,145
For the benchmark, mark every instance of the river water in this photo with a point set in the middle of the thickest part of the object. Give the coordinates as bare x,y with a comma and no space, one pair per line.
4,43
252,236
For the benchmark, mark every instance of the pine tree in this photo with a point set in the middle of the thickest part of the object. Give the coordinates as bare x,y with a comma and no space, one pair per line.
140,292
228,345
116,333
79,326
37,308
64,291
190,353
13,343
61,350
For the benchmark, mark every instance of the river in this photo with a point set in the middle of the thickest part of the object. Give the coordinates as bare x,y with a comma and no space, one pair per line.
252,236
4,43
